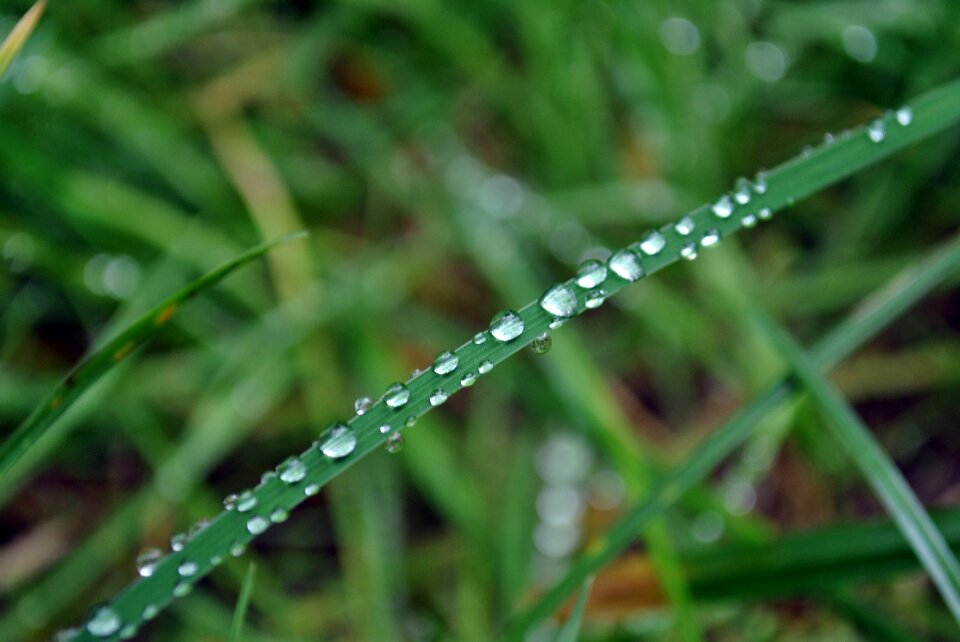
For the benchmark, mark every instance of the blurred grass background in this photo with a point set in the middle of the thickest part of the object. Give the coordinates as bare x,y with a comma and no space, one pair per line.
142,143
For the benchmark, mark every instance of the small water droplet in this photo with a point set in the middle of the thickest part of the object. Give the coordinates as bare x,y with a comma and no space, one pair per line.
339,441
187,569
710,238
394,443
749,220
652,243
595,298
411,421
66,635
246,501
904,115
385,428
182,589
230,501
760,182
591,273
279,515
311,489
807,151
828,139
257,524
723,208
689,251
877,131
437,397
237,549
557,322
362,404
541,344
216,560
468,379
267,477
741,192
104,622
199,527
507,325
765,214
292,470
178,541
397,395
560,301
128,632
684,227
626,264
147,561
416,372
445,363
479,338
485,367
150,611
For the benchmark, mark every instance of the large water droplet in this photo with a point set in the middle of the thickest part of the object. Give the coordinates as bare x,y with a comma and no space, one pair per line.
187,568
723,208
485,367
147,561
178,541
877,131
689,251
904,115
362,404
279,515
626,264
445,363
104,622
246,501
541,344
257,524
560,301
397,395
710,238
741,192
591,273
652,243
437,397
595,298
468,379
394,443
339,441
684,227
507,325
292,470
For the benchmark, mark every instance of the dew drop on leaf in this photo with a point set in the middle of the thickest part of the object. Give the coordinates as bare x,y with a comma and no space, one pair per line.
147,561
437,397
362,404
723,208
684,227
292,470
507,325
626,264
560,301
397,395
541,344
394,443
257,524
104,622
591,273
445,363
595,298
339,441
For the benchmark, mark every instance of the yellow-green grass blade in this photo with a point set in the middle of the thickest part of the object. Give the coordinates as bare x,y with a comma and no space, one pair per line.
876,466
15,40
104,359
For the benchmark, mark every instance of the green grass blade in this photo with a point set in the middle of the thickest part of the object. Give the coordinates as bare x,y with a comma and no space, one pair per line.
571,628
91,369
877,467
240,614
931,113
14,42
867,320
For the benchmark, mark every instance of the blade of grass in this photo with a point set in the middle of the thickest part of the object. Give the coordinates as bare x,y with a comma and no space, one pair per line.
240,614
876,466
15,40
865,321
571,628
111,353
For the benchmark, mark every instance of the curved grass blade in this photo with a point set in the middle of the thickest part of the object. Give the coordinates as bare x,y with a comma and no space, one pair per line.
876,466
14,42
571,628
232,530
240,614
111,353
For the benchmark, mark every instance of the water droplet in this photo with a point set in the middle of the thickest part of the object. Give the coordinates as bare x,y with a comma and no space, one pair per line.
749,220
904,115
591,273
267,477
485,367
684,227
411,421
479,338
689,251
741,192
150,611
765,214
416,372
710,238
723,208
394,443
199,527
238,549
828,139
257,524
541,344
652,243
279,515
445,363
385,428
339,441
626,264
182,589
437,397
468,379
362,404
595,298
147,561
397,395
560,301
216,560
230,501
807,151
557,322
292,470
187,569
246,501
760,182
877,131
507,325
104,622
178,541
128,632
311,489
66,635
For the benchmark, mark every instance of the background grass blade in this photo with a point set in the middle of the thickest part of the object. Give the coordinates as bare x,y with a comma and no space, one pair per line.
107,356
570,632
877,467
243,601
15,40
